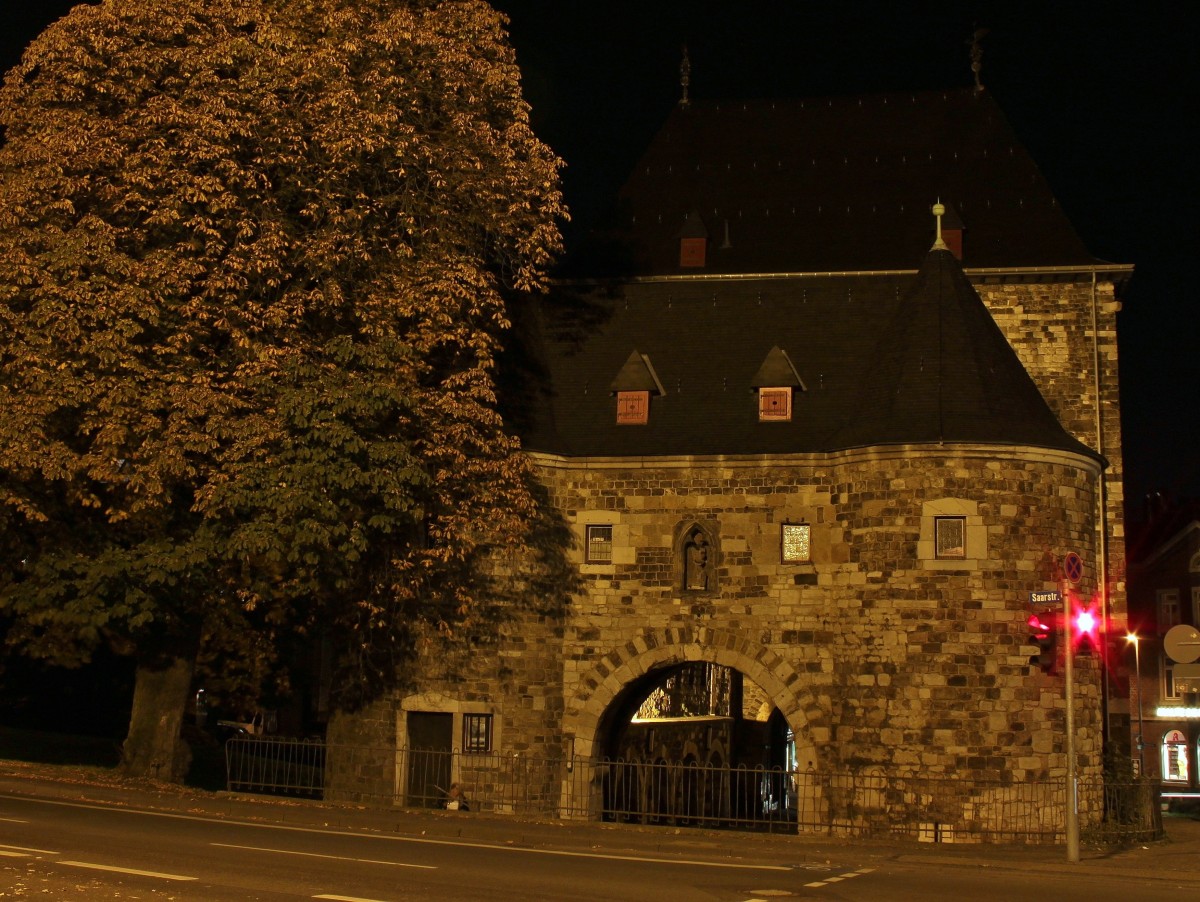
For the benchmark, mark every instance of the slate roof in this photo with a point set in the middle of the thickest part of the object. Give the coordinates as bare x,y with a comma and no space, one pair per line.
890,359
833,184
942,370
837,193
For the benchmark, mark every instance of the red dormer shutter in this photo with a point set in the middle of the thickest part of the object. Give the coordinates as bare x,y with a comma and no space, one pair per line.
774,403
692,251
633,408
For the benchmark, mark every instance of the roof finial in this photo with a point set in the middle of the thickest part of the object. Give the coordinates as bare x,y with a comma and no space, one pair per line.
976,44
939,210
685,77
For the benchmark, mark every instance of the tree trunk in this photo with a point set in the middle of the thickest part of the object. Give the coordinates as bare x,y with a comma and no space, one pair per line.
154,747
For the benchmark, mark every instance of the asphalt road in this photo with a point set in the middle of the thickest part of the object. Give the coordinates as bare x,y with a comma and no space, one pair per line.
65,850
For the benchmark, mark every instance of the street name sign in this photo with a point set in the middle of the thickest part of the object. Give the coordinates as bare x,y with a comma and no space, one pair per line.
1046,597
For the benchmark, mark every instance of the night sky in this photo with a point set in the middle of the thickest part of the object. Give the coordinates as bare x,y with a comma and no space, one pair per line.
1102,93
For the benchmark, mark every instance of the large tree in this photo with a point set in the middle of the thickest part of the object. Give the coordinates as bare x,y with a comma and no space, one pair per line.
255,257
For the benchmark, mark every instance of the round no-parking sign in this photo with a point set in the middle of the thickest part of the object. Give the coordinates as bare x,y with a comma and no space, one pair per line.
1073,568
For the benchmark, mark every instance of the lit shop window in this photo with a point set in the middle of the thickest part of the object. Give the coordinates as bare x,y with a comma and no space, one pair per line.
1175,757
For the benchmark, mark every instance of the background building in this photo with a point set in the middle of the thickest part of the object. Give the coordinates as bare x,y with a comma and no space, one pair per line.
1164,592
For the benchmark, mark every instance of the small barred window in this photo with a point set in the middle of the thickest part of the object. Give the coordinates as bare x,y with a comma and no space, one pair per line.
950,537
477,732
599,544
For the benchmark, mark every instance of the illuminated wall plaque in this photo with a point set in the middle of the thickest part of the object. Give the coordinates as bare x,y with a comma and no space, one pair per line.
797,543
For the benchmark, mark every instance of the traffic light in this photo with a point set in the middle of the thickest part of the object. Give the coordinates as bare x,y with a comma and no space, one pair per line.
1043,632
1086,630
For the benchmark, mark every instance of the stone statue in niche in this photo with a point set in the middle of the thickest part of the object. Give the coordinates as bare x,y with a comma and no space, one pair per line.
696,562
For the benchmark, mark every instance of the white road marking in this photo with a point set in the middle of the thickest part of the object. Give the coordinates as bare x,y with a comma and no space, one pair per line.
346,898
846,876
495,847
4,853
398,864
27,849
109,867
13,820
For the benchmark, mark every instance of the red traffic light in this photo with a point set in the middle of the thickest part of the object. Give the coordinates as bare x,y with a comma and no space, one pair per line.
1086,630
1043,629
1040,625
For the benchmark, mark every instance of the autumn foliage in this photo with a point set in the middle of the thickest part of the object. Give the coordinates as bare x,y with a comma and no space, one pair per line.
255,259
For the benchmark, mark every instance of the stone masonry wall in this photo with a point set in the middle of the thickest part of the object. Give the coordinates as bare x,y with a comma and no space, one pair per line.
891,659
1049,325
883,659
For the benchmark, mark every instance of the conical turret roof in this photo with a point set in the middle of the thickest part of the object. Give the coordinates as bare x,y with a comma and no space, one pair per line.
942,371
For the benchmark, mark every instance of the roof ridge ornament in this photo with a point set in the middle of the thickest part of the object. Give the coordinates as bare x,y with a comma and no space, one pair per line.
685,78
939,210
976,44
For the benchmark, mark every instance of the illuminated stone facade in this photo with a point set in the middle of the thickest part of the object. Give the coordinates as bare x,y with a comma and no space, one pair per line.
885,659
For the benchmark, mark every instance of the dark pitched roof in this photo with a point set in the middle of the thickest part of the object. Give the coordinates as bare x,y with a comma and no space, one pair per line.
834,185
888,359
943,371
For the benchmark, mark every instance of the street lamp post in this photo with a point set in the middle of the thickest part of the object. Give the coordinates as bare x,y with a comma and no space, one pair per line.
1137,668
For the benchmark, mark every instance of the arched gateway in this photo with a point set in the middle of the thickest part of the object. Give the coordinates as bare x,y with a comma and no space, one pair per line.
595,692
602,701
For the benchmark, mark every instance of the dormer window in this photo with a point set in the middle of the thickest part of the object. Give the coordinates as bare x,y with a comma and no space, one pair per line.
633,408
634,385
776,382
692,251
693,242
775,403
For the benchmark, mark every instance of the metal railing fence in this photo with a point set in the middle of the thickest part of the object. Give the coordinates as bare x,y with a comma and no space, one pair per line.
925,808
291,767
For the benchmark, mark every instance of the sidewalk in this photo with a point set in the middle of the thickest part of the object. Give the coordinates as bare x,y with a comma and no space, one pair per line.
1175,859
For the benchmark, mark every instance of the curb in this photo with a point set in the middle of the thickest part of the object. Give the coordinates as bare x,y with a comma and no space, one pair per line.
1170,860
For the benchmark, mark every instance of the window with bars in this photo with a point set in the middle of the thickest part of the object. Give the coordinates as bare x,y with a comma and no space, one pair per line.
477,733
599,544
950,538
796,539
774,404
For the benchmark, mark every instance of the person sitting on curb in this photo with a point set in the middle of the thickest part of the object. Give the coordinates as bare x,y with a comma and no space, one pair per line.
456,799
